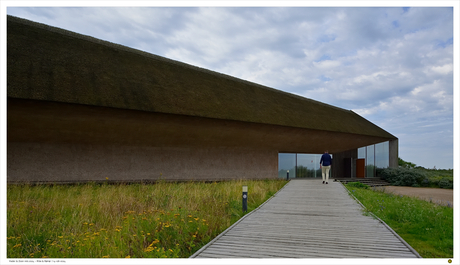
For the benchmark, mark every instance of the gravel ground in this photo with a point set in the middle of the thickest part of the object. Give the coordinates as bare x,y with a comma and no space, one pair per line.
441,196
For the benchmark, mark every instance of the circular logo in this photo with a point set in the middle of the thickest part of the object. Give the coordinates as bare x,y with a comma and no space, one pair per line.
245,196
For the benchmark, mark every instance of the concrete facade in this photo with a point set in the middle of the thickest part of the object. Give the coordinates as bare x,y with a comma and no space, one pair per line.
67,163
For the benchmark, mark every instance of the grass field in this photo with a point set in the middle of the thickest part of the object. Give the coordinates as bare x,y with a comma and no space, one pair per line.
426,226
163,220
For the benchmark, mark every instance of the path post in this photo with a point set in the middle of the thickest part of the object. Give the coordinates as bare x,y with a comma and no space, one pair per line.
245,198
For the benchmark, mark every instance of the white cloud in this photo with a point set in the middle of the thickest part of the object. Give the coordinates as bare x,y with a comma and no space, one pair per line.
443,70
326,65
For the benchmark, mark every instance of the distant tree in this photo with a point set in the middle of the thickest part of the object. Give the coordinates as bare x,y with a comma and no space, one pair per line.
405,164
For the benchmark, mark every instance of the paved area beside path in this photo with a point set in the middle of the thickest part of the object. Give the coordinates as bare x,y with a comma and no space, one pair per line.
439,196
308,219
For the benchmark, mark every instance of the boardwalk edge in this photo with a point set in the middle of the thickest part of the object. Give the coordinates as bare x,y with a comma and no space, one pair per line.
381,221
237,222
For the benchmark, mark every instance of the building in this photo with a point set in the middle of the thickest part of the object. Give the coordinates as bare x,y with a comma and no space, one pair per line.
82,109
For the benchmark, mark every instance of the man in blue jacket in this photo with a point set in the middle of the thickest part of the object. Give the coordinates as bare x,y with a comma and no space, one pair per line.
325,165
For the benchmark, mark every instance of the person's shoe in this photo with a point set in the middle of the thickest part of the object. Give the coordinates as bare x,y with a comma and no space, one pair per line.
323,182
326,182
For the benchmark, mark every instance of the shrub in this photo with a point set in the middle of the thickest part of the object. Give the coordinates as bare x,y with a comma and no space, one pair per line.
426,182
403,176
358,185
446,184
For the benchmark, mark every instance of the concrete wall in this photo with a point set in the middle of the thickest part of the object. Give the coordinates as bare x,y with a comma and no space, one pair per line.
339,163
44,162
394,153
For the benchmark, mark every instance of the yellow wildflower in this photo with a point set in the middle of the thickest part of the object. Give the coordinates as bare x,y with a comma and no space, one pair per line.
149,249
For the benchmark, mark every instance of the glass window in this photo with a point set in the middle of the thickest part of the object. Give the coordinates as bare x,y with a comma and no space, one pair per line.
308,166
382,155
286,162
361,152
370,163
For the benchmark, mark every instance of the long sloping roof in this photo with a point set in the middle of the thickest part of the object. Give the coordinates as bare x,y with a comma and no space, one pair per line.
52,64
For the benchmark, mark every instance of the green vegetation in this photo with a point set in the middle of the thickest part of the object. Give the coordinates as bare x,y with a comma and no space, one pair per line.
304,172
426,226
408,174
358,185
405,164
125,221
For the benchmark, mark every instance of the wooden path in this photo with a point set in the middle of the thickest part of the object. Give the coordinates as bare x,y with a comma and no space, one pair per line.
308,219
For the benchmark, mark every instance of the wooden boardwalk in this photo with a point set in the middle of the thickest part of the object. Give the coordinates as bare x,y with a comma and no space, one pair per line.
308,219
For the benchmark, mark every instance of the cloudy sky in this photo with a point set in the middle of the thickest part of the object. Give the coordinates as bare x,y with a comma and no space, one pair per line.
391,65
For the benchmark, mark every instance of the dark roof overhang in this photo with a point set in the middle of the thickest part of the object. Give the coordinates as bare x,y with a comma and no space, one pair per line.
51,64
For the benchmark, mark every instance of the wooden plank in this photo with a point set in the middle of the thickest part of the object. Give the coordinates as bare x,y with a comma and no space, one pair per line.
248,251
280,245
349,242
308,220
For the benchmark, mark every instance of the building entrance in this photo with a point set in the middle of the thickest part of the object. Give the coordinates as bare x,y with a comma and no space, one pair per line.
299,165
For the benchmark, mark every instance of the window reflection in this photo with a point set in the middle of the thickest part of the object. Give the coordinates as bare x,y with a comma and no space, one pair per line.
382,155
377,156
370,161
361,152
286,162
299,165
308,165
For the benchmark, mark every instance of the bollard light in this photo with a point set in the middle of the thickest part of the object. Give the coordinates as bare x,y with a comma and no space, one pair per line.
287,175
245,198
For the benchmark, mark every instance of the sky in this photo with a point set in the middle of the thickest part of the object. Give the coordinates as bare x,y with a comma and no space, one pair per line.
391,65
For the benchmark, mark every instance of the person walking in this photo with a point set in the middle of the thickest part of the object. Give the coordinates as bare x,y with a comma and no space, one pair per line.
325,165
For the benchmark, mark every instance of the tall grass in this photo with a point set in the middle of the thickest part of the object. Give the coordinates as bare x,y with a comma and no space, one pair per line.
426,226
124,221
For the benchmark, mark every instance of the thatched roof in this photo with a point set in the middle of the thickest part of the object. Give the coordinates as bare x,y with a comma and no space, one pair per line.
51,64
